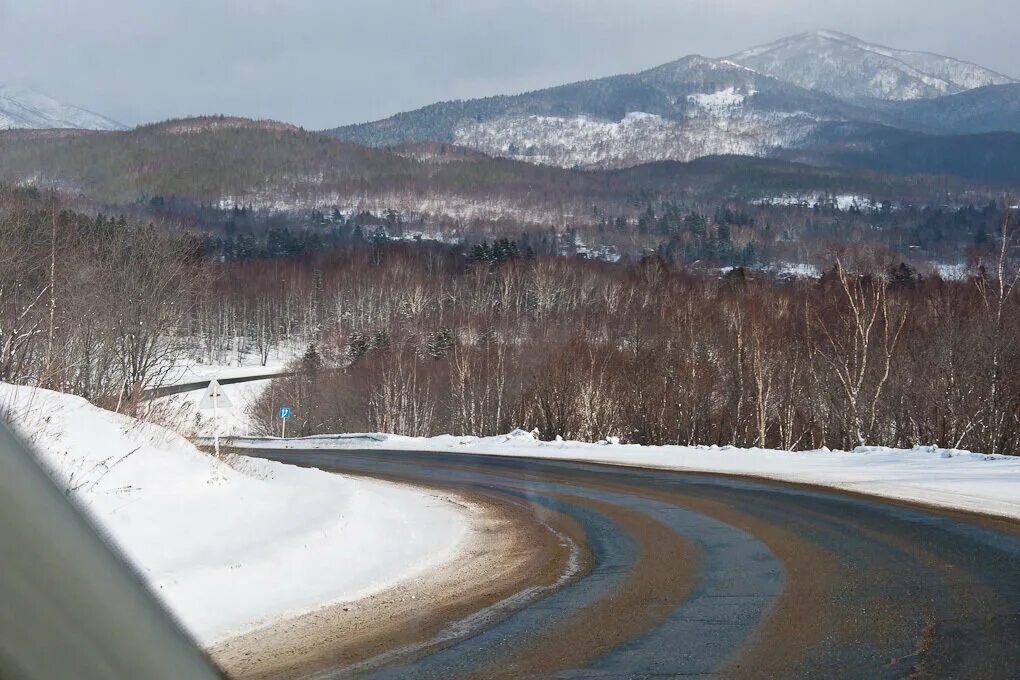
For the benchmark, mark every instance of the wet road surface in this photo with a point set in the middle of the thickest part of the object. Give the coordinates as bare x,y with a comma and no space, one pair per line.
692,575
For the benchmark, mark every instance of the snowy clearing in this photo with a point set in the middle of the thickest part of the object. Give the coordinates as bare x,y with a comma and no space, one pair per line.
232,547
940,477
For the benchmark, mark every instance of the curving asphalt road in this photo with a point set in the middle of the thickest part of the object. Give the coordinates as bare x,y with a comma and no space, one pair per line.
696,575
168,390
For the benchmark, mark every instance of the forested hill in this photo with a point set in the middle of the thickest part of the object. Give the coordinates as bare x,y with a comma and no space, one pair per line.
269,165
201,158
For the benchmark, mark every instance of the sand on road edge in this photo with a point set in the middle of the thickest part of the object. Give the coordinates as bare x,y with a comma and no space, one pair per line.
511,554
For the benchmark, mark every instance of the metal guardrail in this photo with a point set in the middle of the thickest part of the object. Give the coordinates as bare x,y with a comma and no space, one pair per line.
70,604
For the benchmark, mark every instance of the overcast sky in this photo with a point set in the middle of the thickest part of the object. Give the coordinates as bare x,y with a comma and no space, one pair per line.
321,63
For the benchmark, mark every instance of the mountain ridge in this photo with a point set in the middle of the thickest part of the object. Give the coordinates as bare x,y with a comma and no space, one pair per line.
276,167
21,108
689,108
865,70
751,103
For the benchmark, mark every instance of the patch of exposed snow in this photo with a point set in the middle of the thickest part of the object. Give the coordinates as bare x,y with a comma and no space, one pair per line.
795,270
719,102
951,272
842,202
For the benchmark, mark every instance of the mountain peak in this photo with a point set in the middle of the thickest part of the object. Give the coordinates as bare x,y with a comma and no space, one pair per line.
696,66
833,35
850,68
817,37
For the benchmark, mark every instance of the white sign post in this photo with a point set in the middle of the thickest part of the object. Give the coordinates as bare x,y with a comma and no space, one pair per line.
214,397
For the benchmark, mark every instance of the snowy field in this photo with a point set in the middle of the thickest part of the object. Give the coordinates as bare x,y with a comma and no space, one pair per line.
232,547
940,477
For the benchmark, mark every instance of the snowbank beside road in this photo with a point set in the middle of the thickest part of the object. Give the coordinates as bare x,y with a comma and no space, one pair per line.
231,547
940,477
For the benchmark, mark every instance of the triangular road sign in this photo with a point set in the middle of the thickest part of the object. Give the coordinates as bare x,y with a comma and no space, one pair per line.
215,390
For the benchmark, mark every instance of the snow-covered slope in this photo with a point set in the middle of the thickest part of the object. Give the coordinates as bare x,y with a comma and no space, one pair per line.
847,67
21,108
640,137
230,547
686,109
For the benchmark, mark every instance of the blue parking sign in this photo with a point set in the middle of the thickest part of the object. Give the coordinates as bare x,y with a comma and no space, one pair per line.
285,412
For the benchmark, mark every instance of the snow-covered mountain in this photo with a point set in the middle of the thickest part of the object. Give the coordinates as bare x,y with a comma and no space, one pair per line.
22,108
687,109
792,95
849,68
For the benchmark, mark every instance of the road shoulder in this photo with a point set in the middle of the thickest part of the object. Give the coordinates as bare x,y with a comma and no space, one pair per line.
511,558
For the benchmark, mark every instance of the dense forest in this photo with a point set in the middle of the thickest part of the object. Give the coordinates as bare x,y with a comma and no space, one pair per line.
423,342
423,338
685,234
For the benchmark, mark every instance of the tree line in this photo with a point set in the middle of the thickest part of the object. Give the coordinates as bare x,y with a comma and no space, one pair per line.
421,342
89,304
